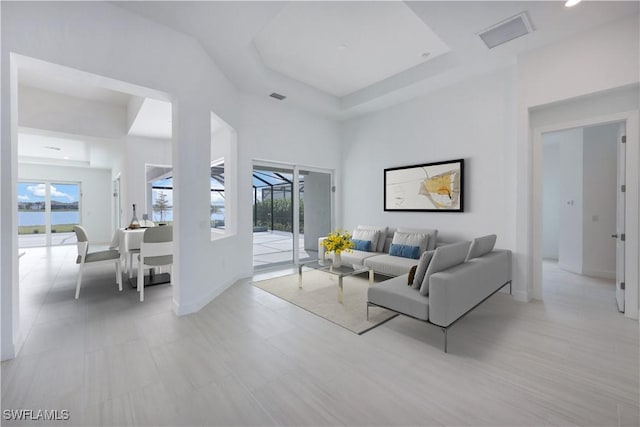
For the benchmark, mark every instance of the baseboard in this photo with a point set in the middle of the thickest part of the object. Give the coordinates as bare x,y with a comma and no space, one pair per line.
569,269
195,306
521,296
8,352
602,274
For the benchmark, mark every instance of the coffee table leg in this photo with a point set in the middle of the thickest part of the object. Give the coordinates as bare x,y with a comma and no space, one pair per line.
300,276
340,293
370,277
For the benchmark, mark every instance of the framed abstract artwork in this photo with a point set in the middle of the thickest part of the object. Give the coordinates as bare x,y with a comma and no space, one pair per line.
429,187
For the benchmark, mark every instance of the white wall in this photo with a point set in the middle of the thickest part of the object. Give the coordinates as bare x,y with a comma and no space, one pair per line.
472,120
551,201
599,186
151,60
579,200
96,196
571,199
591,63
138,153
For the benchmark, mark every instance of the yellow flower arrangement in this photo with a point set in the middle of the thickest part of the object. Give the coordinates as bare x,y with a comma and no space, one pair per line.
338,241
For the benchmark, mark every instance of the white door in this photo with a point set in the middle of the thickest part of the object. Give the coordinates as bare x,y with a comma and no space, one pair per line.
620,205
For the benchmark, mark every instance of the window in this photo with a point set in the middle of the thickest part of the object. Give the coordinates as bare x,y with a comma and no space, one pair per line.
217,195
162,201
47,212
222,201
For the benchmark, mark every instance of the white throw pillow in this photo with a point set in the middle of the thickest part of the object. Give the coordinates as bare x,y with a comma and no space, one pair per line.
371,235
411,239
381,239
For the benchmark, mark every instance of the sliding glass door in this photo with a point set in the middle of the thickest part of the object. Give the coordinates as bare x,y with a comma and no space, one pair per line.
47,212
292,207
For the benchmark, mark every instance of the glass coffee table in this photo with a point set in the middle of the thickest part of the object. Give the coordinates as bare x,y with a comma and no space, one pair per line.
342,272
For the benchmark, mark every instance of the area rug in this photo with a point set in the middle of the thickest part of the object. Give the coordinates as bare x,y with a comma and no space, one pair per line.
319,295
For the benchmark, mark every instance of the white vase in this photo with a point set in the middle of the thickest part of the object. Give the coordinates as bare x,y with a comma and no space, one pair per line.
337,260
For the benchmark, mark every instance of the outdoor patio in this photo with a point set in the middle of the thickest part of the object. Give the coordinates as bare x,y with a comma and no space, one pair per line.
276,247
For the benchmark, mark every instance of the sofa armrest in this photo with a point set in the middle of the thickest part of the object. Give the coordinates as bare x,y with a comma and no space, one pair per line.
321,249
457,290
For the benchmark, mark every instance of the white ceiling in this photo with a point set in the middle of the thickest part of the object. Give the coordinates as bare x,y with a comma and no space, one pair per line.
342,47
77,88
153,120
232,32
37,146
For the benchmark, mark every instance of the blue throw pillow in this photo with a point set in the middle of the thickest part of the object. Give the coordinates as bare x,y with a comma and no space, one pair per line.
362,245
405,251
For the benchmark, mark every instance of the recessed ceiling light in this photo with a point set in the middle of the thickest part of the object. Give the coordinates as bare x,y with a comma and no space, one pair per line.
571,3
66,157
277,96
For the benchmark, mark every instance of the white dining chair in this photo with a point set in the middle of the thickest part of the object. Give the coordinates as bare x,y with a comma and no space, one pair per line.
156,250
94,258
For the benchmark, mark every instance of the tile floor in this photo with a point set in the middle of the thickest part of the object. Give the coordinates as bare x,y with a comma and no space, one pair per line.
276,247
249,358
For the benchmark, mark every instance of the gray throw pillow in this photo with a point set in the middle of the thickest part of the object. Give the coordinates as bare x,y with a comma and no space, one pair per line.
425,259
443,258
482,246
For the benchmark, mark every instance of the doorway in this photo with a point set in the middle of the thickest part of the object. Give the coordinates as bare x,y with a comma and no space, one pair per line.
292,208
583,211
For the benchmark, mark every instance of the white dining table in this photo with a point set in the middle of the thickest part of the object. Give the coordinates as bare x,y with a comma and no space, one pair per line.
128,242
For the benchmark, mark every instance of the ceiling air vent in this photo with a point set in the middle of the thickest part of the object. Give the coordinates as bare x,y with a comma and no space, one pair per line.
277,96
509,29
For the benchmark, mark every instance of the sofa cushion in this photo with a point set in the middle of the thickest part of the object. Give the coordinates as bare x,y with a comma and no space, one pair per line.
410,239
425,259
443,258
482,246
383,234
405,251
390,265
397,296
353,257
432,233
362,245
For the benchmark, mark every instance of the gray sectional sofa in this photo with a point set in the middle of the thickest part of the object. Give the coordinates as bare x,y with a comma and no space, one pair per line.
450,279
458,278
380,260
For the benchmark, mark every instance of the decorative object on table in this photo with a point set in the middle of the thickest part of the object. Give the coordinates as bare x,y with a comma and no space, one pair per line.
318,296
146,222
337,242
134,221
428,187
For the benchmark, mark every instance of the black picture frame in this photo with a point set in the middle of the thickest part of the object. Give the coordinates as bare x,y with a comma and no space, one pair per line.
426,187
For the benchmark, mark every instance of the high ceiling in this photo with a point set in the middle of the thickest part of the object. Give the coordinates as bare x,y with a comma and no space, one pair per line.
346,58
343,47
